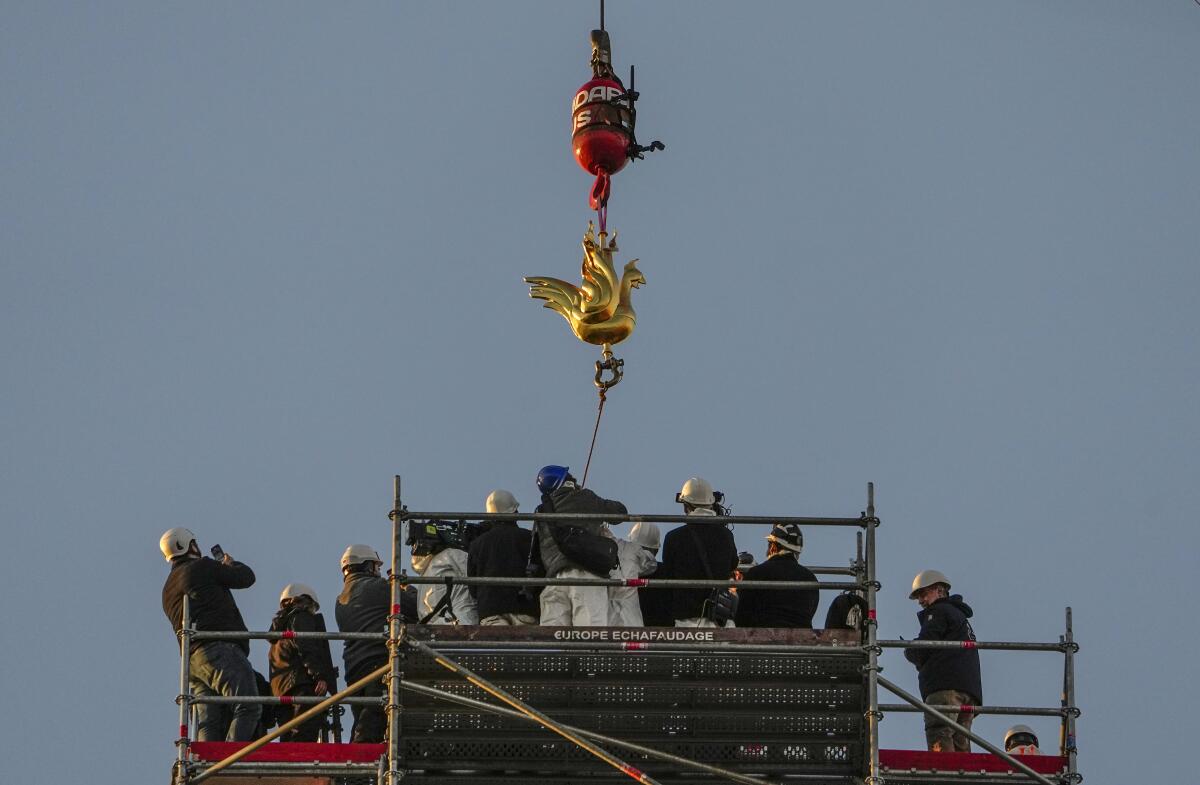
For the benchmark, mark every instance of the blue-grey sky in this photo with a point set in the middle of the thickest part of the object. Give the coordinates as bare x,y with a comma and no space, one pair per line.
257,258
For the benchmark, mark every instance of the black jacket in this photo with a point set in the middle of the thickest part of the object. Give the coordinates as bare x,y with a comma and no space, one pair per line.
574,500
363,607
656,603
501,552
947,669
682,561
777,607
207,583
298,664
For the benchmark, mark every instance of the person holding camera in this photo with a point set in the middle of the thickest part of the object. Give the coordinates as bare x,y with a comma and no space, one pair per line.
217,667
575,549
700,551
779,607
502,552
300,666
439,550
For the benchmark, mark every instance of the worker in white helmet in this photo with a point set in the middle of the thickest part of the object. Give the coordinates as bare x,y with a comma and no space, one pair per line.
300,666
1021,740
363,606
502,552
636,561
217,667
703,550
947,677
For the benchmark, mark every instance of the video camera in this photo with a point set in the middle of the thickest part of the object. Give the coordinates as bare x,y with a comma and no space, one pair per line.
427,537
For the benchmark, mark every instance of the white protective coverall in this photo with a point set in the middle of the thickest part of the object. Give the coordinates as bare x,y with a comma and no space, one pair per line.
576,606
461,609
624,607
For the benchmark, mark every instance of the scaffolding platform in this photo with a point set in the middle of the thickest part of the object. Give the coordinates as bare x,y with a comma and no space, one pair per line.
489,705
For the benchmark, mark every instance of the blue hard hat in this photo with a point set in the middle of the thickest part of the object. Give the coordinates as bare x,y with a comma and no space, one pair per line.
550,477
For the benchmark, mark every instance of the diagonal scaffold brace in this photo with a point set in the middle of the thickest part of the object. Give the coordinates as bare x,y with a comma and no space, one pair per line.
546,722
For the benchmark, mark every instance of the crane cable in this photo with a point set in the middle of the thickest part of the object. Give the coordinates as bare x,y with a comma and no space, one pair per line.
595,430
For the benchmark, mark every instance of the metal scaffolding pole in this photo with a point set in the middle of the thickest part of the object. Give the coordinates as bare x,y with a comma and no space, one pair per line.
185,692
873,650
462,700
1068,699
648,583
549,724
982,742
730,649
569,517
270,700
278,635
999,645
395,637
1009,711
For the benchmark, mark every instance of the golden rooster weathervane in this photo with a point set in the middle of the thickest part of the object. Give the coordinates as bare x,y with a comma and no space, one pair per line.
599,309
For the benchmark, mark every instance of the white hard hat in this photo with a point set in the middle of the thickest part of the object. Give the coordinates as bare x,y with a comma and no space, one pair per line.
357,554
501,500
176,542
1017,729
646,534
294,590
696,490
925,579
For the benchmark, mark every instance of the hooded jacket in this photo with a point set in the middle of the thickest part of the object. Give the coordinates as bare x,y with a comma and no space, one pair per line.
501,552
947,669
683,561
624,608
777,607
446,563
571,499
298,664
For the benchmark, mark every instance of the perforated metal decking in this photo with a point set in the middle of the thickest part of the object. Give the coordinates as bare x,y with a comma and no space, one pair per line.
771,713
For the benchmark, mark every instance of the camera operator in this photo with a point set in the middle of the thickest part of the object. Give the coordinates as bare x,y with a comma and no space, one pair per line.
439,550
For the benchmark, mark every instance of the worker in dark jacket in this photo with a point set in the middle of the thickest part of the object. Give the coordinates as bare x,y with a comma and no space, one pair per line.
502,552
697,551
779,607
300,666
573,606
217,667
947,677
363,607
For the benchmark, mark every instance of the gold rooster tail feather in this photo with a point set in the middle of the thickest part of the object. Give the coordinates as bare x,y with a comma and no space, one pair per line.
558,294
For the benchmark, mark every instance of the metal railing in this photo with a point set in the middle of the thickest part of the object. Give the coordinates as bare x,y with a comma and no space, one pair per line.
389,769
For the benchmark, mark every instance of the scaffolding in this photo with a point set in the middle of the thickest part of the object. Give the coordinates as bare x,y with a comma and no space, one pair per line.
773,705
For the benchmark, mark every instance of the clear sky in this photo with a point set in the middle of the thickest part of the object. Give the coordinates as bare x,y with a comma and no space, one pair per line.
257,258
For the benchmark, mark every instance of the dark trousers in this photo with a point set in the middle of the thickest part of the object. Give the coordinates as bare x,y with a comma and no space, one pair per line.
369,721
309,730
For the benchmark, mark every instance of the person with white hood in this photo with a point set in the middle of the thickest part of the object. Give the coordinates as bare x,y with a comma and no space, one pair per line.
698,551
637,560
433,607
